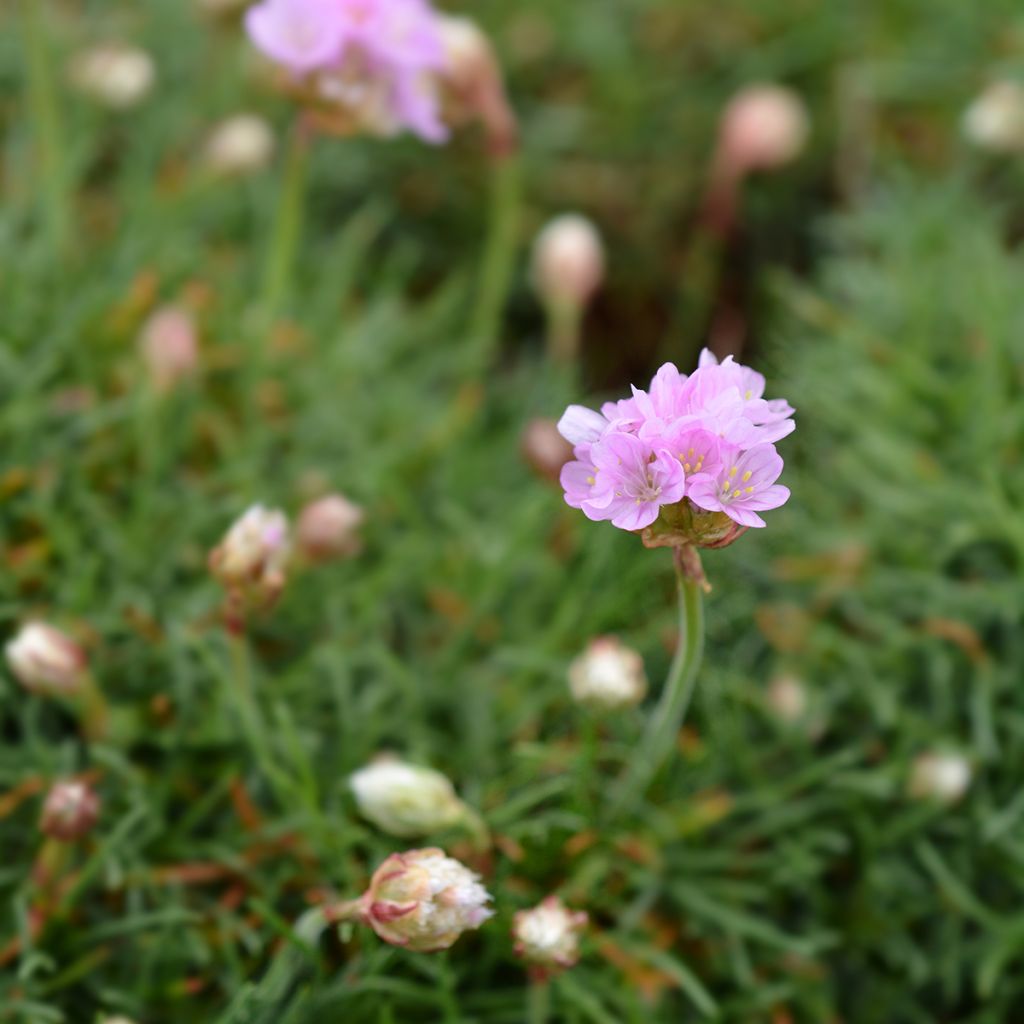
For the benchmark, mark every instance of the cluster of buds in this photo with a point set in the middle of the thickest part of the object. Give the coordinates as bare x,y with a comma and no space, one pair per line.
238,146
115,75
328,529
406,800
251,562
547,936
608,675
942,776
995,120
169,346
47,661
70,811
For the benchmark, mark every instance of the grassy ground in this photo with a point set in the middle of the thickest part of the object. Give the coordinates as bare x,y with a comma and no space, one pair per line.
775,871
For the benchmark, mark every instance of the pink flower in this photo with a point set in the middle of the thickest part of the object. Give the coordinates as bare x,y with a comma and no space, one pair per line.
744,485
300,34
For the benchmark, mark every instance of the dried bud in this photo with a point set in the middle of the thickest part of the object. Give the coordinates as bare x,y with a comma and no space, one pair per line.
472,83
544,448
252,559
548,935
424,900
328,528
405,799
115,75
608,675
69,811
941,776
47,661
763,127
568,262
239,145
995,120
169,346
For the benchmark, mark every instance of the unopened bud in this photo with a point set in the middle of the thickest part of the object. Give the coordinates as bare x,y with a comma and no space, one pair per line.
424,900
608,675
787,698
473,83
47,661
328,528
70,811
169,346
251,561
763,127
115,75
404,799
995,120
239,145
941,776
568,262
548,935
544,448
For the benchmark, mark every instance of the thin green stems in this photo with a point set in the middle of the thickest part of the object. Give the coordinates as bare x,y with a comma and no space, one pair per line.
538,1001
667,719
499,254
45,114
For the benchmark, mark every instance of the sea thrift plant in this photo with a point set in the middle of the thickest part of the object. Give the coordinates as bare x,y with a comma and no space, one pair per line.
46,661
608,675
70,810
547,936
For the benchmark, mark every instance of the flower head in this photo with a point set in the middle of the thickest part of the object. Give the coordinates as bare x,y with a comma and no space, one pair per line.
995,120
404,799
70,810
424,900
328,528
568,261
763,127
943,776
116,75
45,660
169,346
608,675
240,145
548,935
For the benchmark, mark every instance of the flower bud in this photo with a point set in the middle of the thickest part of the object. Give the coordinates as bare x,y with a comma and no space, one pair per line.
47,661
405,799
239,145
424,900
69,811
544,448
787,699
608,675
252,559
472,82
169,346
568,262
763,127
941,776
548,935
116,75
328,528
995,120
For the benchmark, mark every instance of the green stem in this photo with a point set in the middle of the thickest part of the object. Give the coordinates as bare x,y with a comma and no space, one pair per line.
42,95
565,321
498,257
664,724
538,1001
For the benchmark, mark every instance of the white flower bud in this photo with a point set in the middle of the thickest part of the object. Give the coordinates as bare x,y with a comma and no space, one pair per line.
568,262
169,346
608,675
252,559
941,776
995,120
70,811
548,935
763,127
328,528
404,799
115,75
47,661
239,145
424,900
787,699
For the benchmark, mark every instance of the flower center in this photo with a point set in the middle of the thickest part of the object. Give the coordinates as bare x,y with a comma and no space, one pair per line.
730,490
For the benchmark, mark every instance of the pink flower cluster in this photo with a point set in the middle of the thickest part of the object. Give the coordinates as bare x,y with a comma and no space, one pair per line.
709,438
377,57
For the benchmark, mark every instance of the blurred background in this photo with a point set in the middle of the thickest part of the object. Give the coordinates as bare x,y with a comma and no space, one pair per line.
841,836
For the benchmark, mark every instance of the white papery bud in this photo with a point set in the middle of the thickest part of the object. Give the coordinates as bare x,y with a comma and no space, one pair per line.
116,75
568,262
251,561
940,775
995,120
70,811
328,528
45,660
548,935
169,345
763,127
608,675
239,145
424,900
405,799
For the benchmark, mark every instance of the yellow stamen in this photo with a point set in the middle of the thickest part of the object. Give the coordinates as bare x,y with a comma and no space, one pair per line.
736,493
747,475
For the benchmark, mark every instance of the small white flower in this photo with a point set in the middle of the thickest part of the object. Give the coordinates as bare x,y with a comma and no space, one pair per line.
995,120
404,799
45,660
328,528
70,810
568,262
239,145
116,75
787,698
169,346
608,675
548,935
257,546
940,775
763,127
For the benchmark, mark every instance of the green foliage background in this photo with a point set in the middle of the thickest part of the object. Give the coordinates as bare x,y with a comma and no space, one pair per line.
775,872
